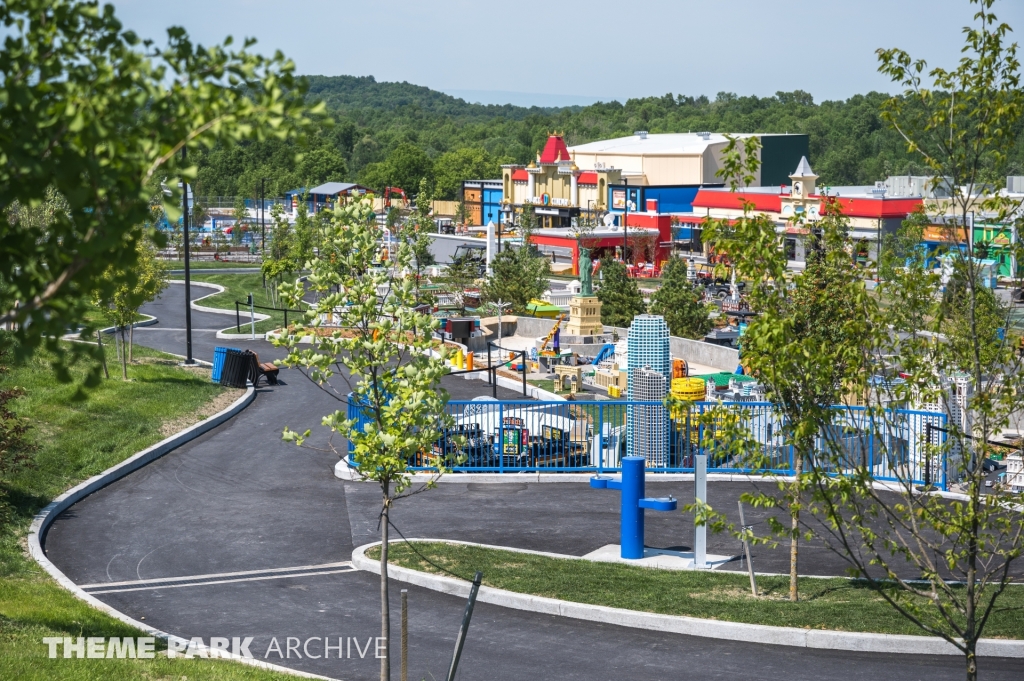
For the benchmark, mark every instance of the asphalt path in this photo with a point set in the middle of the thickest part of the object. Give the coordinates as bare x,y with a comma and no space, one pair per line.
239,500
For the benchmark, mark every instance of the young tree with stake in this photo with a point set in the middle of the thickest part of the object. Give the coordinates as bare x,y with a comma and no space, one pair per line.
393,410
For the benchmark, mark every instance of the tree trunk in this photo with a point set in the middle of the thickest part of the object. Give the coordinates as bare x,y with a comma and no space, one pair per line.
971,658
103,353
124,357
385,606
794,515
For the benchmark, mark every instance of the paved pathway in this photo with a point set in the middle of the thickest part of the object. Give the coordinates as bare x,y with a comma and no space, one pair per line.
238,500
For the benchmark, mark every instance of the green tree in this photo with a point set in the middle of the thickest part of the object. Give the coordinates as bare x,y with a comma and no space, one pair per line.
422,239
943,562
619,294
805,345
395,411
465,163
681,303
404,167
321,164
518,275
459,275
121,308
120,111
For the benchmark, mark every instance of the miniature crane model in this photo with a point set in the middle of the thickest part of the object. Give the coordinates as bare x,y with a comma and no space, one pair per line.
551,334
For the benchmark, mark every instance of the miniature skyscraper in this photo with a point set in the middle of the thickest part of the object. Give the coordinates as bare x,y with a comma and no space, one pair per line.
649,375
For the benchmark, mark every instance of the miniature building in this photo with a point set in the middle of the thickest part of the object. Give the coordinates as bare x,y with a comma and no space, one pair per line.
648,348
609,378
649,423
584,317
1015,471
565,375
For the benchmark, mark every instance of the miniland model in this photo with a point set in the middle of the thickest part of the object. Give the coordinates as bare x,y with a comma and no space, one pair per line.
585,309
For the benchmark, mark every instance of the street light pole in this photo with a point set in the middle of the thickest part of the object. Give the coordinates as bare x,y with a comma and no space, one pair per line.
263,227
188,275
625,221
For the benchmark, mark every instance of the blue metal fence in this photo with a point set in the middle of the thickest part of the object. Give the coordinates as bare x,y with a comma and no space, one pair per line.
511,437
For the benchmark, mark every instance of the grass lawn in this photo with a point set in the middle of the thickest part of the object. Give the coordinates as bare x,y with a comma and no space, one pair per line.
238,287
839,604
207,264
75,440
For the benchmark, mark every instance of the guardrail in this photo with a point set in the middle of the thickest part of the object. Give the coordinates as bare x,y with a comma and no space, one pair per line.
511,437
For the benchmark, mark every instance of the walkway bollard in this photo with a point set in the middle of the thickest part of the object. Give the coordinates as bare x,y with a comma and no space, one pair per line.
469,361
631,519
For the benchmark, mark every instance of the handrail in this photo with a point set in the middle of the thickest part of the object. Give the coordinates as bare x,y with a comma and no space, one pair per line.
238,324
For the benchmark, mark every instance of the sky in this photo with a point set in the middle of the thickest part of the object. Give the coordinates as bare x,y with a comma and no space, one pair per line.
563,52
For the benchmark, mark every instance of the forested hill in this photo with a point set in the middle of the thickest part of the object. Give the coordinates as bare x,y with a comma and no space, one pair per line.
399,134
354,93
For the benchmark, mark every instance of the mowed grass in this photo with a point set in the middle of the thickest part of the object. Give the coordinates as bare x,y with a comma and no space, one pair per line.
208,264
238,287
75,440
838,604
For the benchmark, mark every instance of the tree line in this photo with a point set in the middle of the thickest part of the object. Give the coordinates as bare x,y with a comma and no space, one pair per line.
399,134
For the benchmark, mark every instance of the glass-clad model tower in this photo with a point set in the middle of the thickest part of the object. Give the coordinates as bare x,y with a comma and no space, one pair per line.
647,428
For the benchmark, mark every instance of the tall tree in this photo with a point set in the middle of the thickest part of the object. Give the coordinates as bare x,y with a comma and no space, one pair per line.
422,239
681,303
805,345
395,411
120,112
404,167
465,163
619,294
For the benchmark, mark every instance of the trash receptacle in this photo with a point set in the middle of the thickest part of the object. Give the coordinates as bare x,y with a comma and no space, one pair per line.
235,370
218,362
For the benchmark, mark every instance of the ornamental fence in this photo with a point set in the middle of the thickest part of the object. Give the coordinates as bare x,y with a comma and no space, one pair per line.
492,436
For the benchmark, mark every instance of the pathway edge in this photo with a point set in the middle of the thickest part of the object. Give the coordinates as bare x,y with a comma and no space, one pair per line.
679,624
45,517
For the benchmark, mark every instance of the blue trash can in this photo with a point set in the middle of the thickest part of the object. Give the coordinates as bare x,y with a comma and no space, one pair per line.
218,362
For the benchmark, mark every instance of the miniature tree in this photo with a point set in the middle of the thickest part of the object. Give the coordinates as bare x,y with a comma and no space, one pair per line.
394,410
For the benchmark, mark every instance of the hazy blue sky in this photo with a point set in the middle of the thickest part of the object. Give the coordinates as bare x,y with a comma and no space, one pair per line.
571,51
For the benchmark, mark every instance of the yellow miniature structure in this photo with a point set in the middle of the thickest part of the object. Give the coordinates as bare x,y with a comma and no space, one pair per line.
614,391
568,377
584,316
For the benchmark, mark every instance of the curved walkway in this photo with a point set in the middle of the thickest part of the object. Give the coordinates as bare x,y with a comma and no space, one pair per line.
238,500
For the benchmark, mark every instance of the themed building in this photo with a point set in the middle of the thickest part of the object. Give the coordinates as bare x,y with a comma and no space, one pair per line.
482,200
874,211
324,195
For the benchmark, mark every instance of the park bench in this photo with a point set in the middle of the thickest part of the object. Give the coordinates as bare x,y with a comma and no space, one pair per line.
259,369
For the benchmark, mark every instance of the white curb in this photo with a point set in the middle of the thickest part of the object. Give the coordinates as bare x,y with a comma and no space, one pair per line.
677,624
44,518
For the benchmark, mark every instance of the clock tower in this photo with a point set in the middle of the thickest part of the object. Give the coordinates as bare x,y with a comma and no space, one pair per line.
803,188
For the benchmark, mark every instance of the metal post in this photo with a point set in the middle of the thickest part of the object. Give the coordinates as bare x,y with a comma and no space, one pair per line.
746,549
465,625
263,227
188,275
927,456
524,373
252,317
700,494
238,323
405,635
625,220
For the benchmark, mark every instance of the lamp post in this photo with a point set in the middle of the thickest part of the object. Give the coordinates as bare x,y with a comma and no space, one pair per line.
506,210
263,227
188,276
625,221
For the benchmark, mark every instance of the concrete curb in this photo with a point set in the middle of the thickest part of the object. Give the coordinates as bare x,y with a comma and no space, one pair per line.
44,518
677,624
221,335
